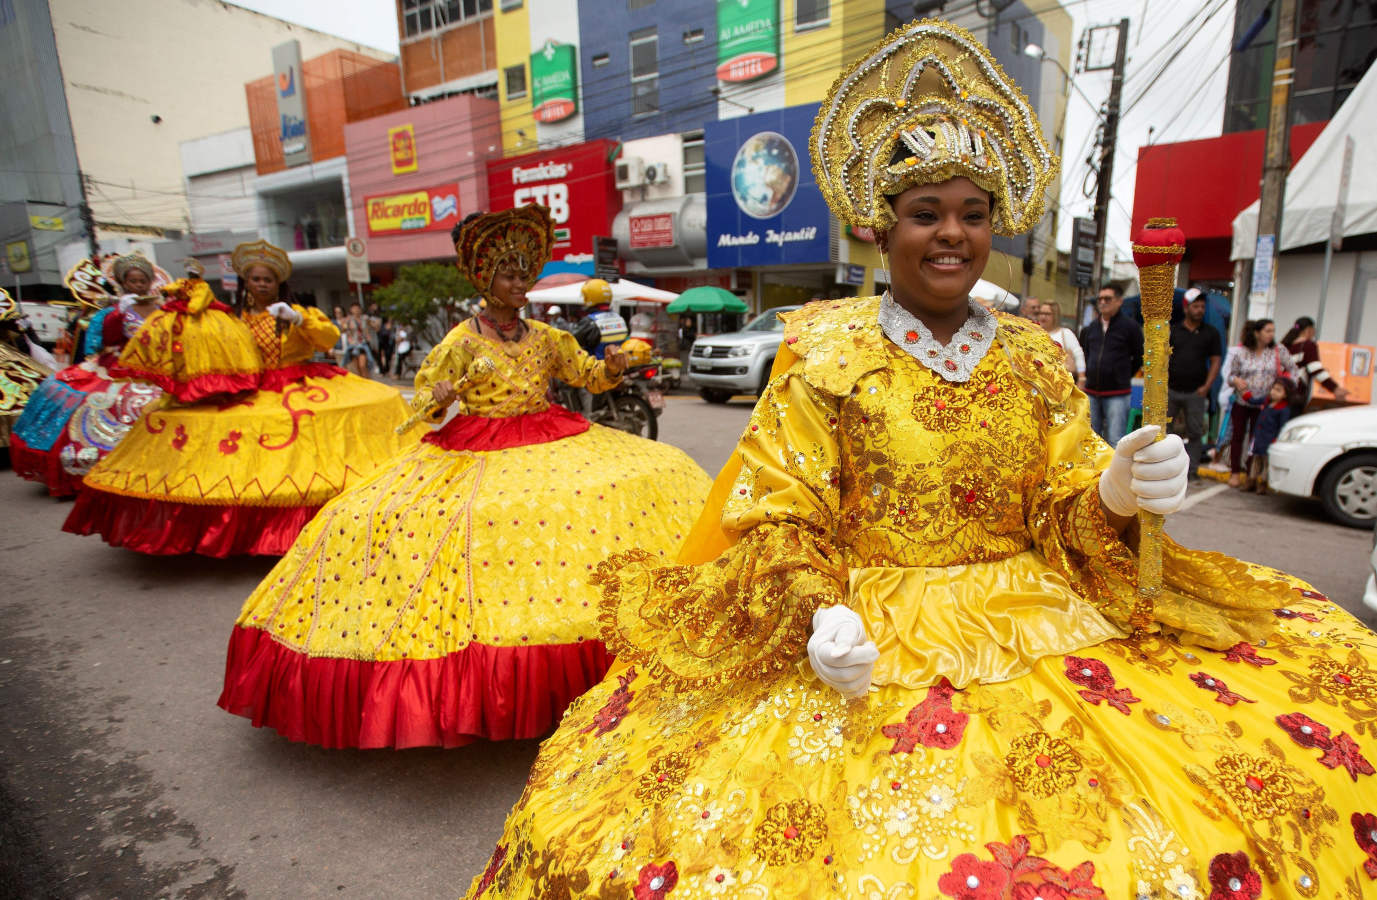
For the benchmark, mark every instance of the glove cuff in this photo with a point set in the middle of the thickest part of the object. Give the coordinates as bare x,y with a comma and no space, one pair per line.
1115,499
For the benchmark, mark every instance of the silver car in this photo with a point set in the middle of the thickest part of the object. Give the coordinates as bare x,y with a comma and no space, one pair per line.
725,365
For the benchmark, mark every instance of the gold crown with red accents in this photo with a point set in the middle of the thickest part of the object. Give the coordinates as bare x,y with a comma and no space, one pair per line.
521,238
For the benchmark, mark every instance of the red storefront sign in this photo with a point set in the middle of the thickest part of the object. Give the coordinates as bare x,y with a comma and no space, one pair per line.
427,209
577,183
652,231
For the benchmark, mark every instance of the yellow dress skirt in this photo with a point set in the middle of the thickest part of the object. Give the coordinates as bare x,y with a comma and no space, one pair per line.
446,597
240,474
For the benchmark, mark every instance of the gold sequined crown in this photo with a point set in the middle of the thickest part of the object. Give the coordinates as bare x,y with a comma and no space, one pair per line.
9,309
520,237
931,87
261,253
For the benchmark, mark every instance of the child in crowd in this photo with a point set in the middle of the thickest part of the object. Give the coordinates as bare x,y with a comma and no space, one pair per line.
1275,413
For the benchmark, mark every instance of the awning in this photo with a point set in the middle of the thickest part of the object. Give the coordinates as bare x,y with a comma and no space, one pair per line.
705,299
623,291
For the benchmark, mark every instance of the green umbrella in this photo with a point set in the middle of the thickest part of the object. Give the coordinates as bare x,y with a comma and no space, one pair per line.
707,299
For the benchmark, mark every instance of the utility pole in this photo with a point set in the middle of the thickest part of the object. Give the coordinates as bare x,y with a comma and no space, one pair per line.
88,218
1108,143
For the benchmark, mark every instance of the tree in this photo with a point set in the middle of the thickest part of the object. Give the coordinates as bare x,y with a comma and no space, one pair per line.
428,298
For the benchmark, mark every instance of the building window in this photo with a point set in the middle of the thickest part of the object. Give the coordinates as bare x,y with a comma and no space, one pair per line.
694,36
695,164
601,60
515,77
639,4
645,72
509,5
421,16
810,13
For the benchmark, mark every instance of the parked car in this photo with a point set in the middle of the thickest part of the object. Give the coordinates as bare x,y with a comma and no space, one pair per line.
1370,592
1332,455
738,363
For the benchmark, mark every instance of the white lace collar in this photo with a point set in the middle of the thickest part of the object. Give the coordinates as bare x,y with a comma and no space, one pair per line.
954,361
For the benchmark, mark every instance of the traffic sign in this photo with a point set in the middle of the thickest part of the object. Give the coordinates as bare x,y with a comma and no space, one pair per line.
229,279
356,260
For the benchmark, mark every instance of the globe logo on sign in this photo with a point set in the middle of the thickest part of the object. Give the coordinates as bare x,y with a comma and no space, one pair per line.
764,175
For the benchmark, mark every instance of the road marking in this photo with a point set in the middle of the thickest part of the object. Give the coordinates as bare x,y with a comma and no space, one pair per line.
1202,496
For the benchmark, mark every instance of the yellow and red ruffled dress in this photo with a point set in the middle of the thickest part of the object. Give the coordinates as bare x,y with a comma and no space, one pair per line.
446,598
249,440
1017,741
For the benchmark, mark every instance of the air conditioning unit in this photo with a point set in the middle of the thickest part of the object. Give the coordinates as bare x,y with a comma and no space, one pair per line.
630,172
657,173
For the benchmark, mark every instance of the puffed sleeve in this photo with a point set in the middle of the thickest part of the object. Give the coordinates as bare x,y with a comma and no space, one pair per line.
573,366
447,361
313,334
1207,599
747,613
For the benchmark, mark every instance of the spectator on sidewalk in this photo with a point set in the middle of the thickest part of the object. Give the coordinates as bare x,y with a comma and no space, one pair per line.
1113,346
358,357
1305,354
387,343
1049,317
1195,354
1251,373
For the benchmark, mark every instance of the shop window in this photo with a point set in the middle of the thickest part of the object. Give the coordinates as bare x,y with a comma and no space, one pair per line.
811,13
1315,60
695,164
421,16
645,71
1359,51
515,77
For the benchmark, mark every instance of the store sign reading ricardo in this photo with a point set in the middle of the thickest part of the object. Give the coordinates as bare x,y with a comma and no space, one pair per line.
401,144
554,82
431,209
747,39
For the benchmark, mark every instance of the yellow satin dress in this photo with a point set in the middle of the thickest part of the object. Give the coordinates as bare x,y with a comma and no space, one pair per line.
1017,742
447,597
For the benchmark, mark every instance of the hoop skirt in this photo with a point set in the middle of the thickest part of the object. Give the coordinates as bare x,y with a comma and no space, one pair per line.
1019,739
446,598
20,377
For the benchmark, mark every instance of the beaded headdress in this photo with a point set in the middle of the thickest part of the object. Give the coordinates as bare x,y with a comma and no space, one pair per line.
520,237
123,264
10,311
927,104
193,267
261,253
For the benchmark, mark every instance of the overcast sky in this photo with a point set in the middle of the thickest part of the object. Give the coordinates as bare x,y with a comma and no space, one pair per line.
1156,29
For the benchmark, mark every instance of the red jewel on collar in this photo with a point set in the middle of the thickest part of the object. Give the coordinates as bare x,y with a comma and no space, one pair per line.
911,336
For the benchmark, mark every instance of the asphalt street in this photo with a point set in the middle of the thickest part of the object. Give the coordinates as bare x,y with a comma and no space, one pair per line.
119,777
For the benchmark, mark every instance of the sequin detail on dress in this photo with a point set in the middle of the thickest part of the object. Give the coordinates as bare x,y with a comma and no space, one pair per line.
954,361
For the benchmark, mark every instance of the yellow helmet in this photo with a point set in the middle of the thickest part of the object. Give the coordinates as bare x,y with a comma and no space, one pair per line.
638,352
596,292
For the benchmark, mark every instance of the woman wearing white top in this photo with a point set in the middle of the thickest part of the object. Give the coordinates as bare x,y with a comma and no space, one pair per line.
1049,317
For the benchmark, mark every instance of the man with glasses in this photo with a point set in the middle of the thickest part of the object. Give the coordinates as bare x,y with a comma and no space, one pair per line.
1113,346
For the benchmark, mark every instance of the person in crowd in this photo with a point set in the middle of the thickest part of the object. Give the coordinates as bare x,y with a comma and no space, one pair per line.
1049,317
446,598
1299,341
358,336
387,344
903,654
555,316
1030,308
1113,347
1275,413
251,437
20,372
1194,365
1251,373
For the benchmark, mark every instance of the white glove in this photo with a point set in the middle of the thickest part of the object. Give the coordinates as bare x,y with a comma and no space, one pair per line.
840,653
1146,474
285,312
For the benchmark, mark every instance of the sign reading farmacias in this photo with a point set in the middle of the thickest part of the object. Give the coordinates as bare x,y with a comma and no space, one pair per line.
577,183
429,209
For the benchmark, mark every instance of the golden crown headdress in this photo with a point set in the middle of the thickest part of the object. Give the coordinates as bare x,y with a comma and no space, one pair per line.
10,311
520,237
92,282
931,88
261,253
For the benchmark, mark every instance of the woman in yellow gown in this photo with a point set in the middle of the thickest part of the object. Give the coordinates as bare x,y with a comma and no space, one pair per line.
250,437
446,598
973,715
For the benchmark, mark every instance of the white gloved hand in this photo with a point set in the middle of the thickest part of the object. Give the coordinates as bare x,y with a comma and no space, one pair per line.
1146,474
284,311
840,653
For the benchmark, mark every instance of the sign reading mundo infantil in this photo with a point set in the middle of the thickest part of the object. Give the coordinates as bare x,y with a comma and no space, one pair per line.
554,82
747,39
430,209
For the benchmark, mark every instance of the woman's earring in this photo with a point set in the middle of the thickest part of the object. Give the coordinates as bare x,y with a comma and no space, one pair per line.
884,264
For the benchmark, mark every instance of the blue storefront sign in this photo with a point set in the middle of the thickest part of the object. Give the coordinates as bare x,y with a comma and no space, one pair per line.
764,209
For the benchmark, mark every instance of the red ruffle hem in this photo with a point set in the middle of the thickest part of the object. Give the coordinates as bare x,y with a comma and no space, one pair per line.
164,528
480,692
278,379
198,388
483,433
45,468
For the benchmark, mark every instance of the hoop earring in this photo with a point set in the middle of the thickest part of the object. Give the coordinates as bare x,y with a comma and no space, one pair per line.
884,266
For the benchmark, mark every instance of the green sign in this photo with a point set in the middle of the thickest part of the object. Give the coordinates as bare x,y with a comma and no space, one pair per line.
747,39
554,82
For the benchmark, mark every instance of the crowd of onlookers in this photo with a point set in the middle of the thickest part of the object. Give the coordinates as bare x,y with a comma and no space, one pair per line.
368,342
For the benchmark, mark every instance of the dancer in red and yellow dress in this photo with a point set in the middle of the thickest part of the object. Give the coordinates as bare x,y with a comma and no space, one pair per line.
251,437
907,660
20,373
446,598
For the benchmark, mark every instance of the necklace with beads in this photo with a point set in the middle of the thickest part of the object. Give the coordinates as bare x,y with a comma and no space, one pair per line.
953,361
507,331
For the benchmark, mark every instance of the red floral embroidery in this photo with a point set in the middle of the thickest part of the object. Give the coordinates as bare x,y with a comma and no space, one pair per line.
932,723
1015,874
1313,595
180,438
1341,750
1221,690
1232,878
1344,751
614,710
1365,833
230,443
499,856
656,881
1098,681
1295,614
1245,652
1305,730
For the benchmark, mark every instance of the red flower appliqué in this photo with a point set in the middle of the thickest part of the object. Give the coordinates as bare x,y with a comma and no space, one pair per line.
1098,681
1222,694
1312,595
612,712
1340,750
499,856
1232,878
1305,730
230,443
932,723
1295,614
1245,652
1365,833
1014,873
1344,751
656,881
180,438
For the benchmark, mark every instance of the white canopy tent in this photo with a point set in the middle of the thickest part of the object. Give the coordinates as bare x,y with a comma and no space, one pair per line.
623,291
1312,187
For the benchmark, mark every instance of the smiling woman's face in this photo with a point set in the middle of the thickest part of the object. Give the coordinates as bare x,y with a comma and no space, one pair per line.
939,247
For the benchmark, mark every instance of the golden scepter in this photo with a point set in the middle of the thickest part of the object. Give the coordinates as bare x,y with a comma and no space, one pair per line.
479,370
1157,251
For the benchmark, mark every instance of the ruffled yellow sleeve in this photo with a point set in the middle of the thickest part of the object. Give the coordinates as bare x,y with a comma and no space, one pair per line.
573,366
1208,599
747,613
314,334
449,361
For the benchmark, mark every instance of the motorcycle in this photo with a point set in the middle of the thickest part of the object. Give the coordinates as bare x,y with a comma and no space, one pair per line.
634,406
